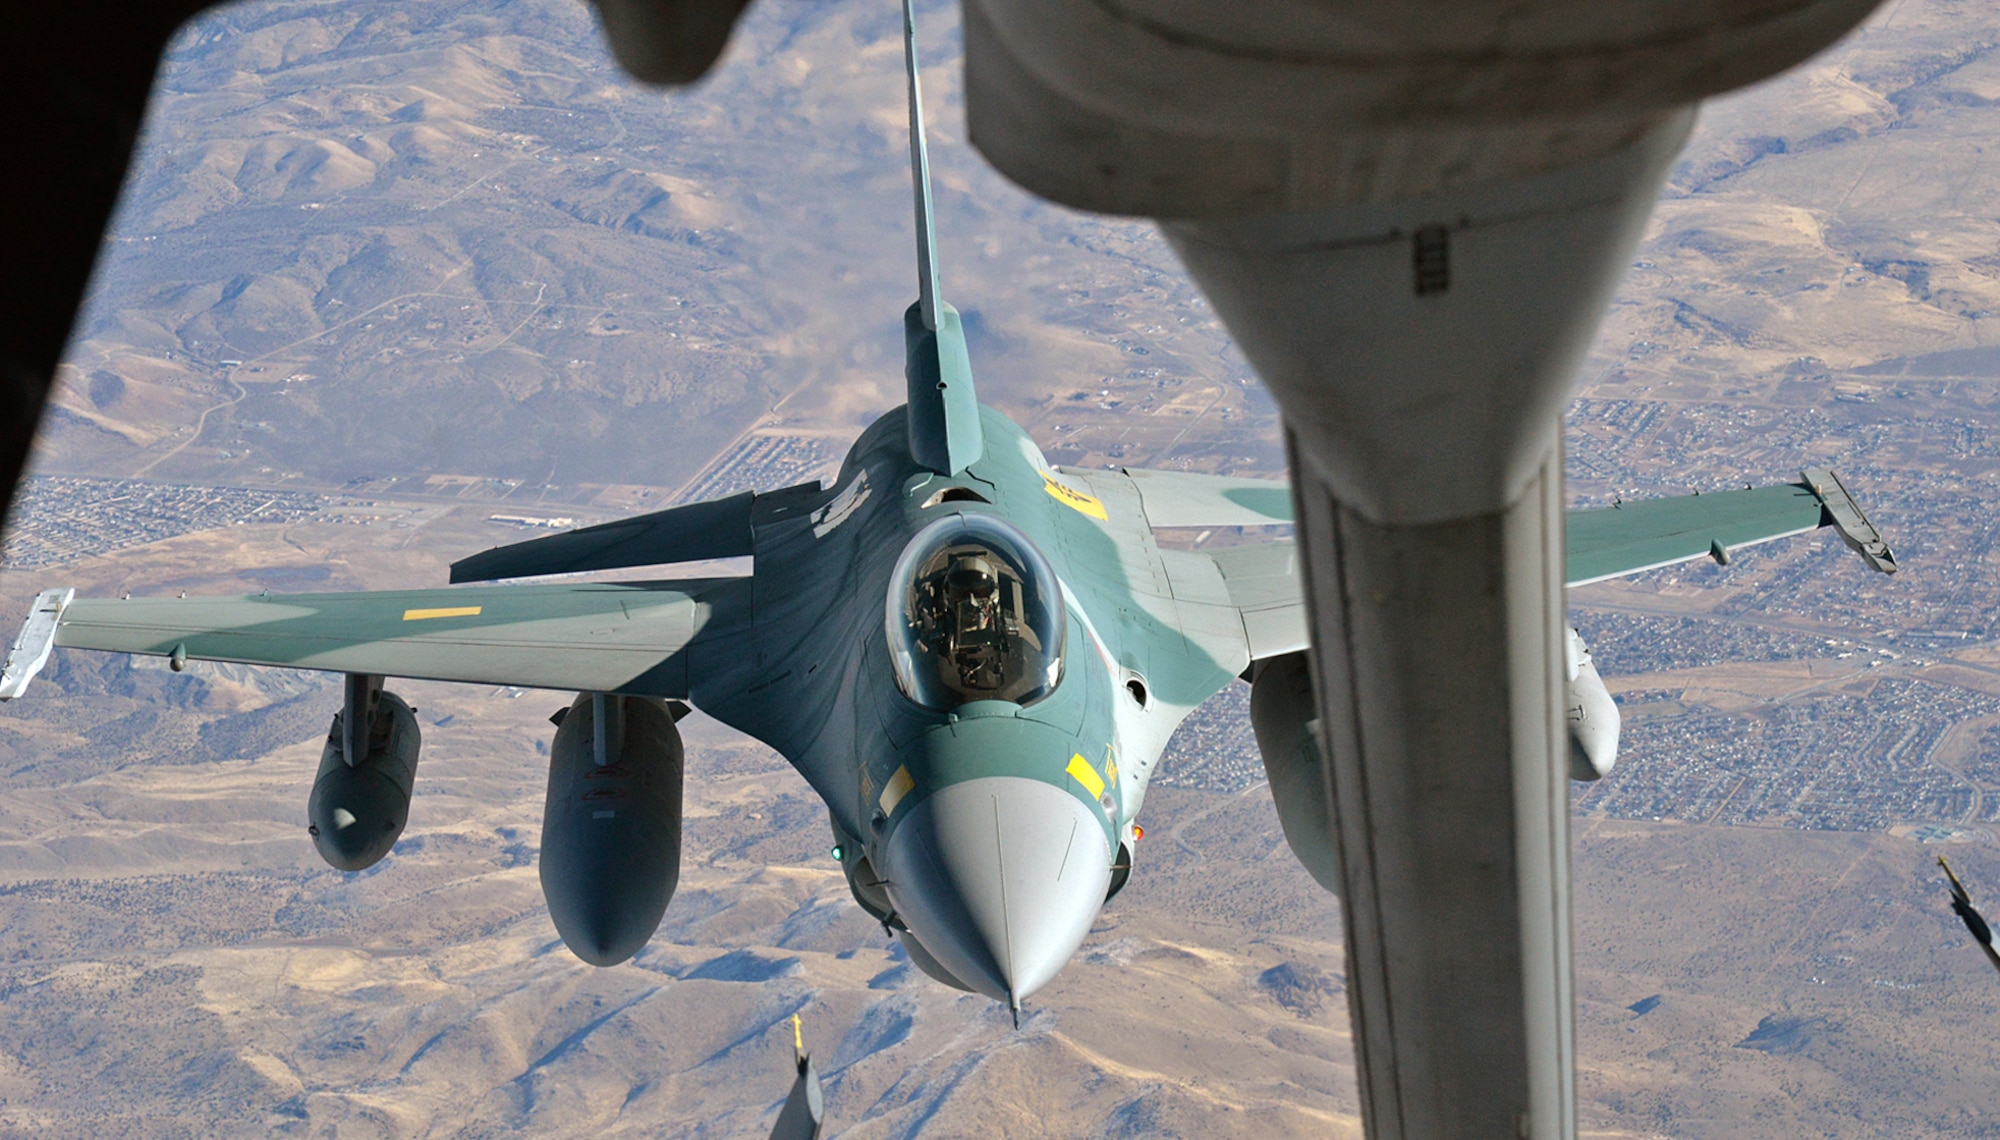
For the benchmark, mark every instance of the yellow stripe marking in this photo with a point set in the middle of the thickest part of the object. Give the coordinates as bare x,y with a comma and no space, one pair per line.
1073,499
1086,775
898,787
446,611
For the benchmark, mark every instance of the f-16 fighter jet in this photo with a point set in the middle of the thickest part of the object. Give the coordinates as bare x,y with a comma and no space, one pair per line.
975,658
1961,905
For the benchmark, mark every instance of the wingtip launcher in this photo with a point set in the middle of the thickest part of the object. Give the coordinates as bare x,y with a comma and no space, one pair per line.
1840,511
37,638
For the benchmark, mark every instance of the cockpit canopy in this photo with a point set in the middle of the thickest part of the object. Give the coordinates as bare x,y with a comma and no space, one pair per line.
974,614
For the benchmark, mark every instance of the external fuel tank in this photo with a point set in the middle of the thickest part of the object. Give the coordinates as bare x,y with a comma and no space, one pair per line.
611,828
1285,717
1591,714
358,811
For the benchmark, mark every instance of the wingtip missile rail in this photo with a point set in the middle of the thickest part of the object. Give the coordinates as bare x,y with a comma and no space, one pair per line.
1843,514
37,638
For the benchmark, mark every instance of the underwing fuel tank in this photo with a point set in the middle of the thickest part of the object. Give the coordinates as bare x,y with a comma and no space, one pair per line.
1286,720
611,828
357,811
1591,713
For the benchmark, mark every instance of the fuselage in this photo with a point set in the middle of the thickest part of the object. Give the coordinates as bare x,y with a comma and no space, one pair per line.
987,833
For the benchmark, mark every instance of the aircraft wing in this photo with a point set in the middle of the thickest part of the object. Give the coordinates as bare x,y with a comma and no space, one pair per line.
629,638
1614,541
1192,499
1264,586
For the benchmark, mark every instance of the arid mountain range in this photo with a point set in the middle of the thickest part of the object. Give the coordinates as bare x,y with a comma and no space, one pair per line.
393,282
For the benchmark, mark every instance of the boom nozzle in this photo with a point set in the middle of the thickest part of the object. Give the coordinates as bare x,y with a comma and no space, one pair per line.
803,1115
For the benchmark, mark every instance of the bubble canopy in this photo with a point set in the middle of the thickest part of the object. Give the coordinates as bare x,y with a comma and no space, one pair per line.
974,613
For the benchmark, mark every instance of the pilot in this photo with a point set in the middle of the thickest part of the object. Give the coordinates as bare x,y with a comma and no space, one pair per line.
978,636
974,591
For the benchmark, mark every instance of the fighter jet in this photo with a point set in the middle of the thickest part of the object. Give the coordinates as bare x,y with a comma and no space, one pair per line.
1961,905
975,657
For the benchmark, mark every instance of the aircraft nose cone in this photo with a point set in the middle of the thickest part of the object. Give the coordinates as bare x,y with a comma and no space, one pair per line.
1000,878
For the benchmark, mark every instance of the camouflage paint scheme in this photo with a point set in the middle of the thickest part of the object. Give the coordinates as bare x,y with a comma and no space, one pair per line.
796,653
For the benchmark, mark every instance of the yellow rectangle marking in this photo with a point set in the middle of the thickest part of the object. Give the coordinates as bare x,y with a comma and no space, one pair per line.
899,786
1086,775
445,611
1074,499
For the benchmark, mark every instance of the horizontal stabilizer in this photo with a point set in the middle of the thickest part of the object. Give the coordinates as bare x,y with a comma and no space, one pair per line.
693,533
803,1116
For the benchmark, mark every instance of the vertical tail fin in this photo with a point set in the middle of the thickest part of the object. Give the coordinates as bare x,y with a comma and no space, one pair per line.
920,178
943,407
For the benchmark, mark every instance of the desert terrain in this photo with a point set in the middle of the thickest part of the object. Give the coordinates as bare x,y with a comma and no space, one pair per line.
394,283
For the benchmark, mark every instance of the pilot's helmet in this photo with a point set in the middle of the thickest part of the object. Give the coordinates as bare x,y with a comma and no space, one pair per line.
972,574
